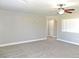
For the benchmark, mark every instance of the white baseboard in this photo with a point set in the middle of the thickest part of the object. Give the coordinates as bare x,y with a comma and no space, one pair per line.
68,42
20,42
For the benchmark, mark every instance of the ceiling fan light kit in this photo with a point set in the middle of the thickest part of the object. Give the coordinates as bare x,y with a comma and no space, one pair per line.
60,11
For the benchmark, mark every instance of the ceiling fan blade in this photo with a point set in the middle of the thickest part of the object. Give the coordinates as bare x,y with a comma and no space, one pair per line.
71,9
68,12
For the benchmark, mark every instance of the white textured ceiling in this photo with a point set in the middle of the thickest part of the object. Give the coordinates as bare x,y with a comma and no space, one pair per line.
35,6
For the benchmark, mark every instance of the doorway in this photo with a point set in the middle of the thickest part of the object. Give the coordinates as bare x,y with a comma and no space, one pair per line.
52,27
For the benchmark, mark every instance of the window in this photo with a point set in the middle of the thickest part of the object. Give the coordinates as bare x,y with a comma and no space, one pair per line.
70,25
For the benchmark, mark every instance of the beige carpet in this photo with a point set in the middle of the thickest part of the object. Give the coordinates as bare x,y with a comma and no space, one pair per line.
42,49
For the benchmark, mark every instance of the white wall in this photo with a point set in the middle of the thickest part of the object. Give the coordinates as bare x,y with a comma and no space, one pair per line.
15,27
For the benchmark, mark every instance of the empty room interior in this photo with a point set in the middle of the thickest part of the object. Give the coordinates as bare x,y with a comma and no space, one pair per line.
39,28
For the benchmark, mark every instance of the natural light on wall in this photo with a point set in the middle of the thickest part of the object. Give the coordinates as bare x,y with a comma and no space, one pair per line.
70,25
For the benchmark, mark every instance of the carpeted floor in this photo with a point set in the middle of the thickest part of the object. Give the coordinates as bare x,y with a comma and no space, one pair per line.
50,48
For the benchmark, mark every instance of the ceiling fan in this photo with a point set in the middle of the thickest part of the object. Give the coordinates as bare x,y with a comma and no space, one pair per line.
62,10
